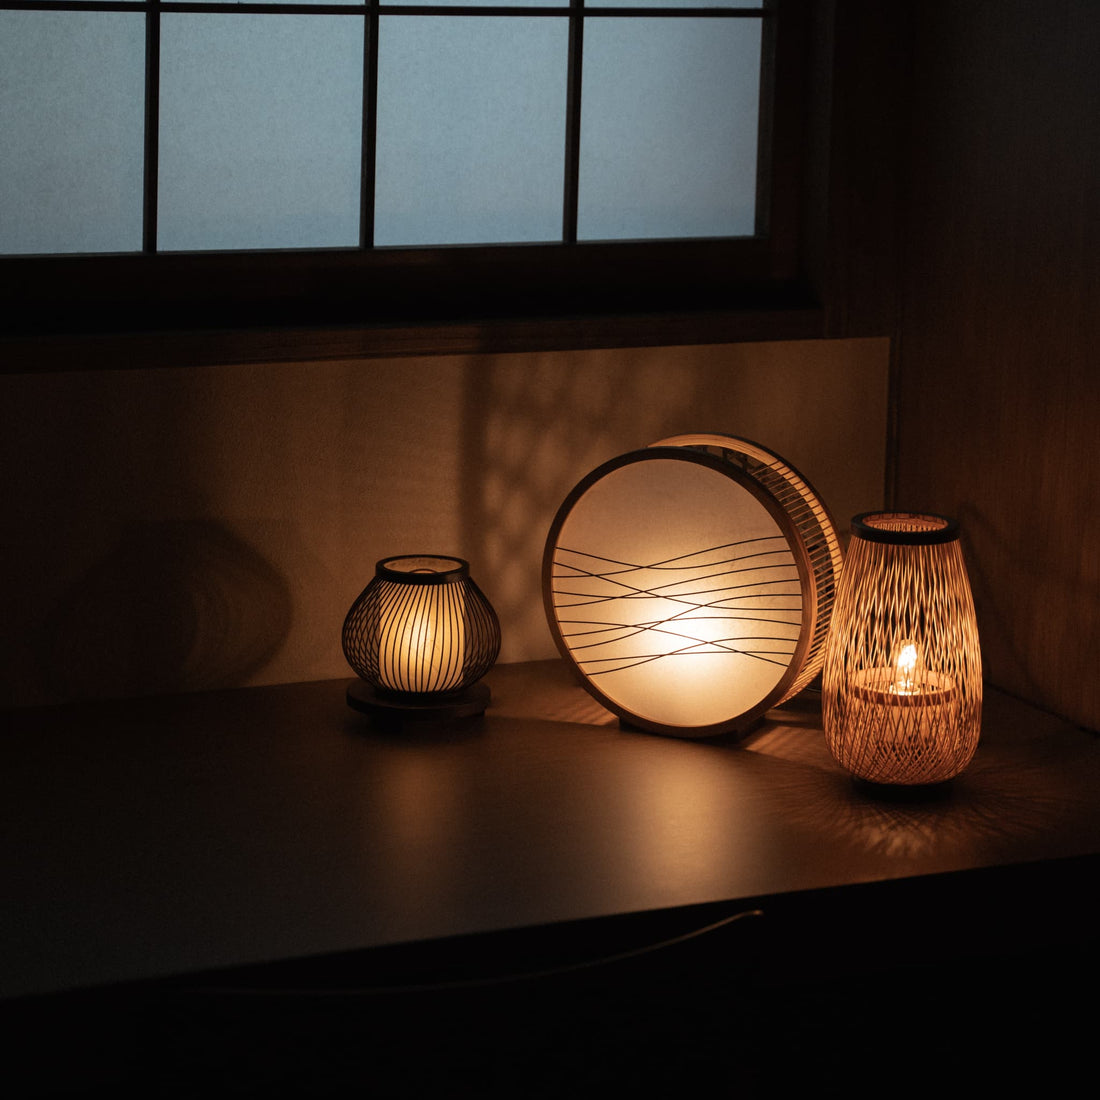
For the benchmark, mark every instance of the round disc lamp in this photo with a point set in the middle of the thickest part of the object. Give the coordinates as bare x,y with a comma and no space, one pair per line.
420,637
686,588
902,686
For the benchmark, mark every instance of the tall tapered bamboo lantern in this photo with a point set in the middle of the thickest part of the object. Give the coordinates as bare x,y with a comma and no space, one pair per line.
902,683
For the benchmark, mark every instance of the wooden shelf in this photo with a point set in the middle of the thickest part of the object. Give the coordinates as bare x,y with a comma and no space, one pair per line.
188,852
154,837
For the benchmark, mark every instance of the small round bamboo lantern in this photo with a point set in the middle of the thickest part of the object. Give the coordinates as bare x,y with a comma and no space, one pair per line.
902,684
420,636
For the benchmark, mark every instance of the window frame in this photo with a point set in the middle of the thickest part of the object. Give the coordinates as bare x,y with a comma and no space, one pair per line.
462,297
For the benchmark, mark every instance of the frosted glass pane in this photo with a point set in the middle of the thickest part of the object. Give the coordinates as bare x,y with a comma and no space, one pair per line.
669,118
471,130
72,88
358,3
724,4
261,131
481,3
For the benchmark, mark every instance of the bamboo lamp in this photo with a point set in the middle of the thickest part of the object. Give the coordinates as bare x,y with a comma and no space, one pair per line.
681,584
420,637
902,684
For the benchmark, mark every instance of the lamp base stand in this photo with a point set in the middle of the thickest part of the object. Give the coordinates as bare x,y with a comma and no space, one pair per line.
395,708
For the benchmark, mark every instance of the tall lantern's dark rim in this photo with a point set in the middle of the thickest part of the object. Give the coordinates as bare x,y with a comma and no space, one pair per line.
736,723
933,536
459,571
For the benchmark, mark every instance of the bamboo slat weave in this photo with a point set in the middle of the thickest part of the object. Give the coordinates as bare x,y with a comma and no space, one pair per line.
422,626
902,685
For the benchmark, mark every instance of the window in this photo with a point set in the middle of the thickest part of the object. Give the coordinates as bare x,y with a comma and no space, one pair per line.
216,163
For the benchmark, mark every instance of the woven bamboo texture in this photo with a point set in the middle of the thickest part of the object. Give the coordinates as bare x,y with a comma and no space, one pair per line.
902,684
432,632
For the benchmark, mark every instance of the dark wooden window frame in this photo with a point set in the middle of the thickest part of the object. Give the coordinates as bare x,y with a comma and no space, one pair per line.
69,312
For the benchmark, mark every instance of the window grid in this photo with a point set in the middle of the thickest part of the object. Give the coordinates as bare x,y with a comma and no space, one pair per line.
575,11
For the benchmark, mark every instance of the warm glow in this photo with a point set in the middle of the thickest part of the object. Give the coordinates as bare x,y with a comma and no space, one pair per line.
422,646
905,681
690,584
676,593
421,631
902,687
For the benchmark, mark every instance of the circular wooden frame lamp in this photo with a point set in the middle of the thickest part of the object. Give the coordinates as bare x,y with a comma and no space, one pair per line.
682,591
902,687
420,636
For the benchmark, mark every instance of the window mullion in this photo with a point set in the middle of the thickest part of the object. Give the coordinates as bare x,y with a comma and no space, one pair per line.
573,121
370,127
152,127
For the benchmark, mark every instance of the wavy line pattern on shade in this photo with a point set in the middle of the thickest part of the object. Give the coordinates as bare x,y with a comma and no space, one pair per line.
809,515
726,583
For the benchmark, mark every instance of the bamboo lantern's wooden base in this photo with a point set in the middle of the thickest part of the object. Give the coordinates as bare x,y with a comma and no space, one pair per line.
389,707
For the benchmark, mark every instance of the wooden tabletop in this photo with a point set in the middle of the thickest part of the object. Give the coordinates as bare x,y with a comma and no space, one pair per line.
149,838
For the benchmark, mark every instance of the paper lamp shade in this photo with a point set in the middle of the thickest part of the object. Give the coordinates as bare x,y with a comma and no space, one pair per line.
902,685
682,591
813,522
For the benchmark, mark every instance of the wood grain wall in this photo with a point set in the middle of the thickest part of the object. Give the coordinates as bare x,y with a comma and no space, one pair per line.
998,356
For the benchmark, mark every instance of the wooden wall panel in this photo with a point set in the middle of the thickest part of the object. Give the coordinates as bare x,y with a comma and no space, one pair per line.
189,528
856,146
998,387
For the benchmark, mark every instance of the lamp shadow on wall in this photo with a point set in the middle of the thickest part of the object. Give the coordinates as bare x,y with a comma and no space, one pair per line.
176,606
533,426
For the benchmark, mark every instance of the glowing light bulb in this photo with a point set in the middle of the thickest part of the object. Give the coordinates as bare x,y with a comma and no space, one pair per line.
422,643
905,667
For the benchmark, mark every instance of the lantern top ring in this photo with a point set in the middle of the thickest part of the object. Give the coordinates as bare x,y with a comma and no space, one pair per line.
423,569
905,528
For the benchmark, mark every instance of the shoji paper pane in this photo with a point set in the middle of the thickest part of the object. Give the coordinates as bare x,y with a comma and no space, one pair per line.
71,131
480,3
724,4
261,131
471,129
360,3
669,122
